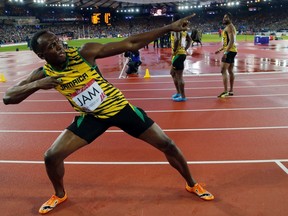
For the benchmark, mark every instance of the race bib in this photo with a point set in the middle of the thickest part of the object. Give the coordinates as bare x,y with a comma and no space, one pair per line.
89,97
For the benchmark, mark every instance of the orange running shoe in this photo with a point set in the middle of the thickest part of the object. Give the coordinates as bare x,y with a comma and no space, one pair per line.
51,204
199,191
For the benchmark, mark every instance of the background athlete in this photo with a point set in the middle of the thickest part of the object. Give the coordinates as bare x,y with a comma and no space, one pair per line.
230,51
74,73
180,42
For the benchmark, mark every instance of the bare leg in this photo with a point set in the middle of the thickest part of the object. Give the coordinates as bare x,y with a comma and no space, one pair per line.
179,83
157,138
175,80
64,145
231,76
224,67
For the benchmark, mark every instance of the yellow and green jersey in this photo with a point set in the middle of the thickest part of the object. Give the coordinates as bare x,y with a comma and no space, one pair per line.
86,89
181,42
225,40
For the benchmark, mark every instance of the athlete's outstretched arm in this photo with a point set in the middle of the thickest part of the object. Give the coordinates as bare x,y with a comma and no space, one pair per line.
92,51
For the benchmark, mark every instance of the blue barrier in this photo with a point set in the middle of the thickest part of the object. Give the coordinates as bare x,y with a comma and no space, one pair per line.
261,40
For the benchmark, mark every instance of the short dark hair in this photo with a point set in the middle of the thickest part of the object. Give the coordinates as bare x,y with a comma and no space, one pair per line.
34,40
229,15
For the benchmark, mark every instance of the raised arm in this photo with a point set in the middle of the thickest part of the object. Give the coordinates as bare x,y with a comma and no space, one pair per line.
92,51
35,81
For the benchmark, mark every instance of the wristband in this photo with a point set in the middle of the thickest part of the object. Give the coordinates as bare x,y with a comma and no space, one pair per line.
225,53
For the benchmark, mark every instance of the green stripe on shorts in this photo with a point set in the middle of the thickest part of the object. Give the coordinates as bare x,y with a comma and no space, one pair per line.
80,120
139,113
174,58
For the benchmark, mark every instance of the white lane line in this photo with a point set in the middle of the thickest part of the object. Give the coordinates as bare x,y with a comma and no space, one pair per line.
166,130
171,89
187,74
169,82
167,98
239,77
197,81
153,111
211,97
277,161
145,162
284,168
164,98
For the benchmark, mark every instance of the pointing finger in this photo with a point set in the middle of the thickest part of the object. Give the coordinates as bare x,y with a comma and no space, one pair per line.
190,16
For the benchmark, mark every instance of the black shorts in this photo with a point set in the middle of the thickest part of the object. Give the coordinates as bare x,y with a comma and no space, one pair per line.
230,58
178,62
133,121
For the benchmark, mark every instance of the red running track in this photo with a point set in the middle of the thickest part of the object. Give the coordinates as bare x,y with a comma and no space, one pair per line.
237,146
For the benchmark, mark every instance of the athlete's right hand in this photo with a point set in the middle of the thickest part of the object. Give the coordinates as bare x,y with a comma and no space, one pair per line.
181,24
49,82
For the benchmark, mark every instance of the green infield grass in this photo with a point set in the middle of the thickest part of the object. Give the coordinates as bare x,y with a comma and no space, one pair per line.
206,38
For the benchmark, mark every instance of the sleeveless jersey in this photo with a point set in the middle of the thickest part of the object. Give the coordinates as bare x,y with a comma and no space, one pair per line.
225,41
181,42
86,89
